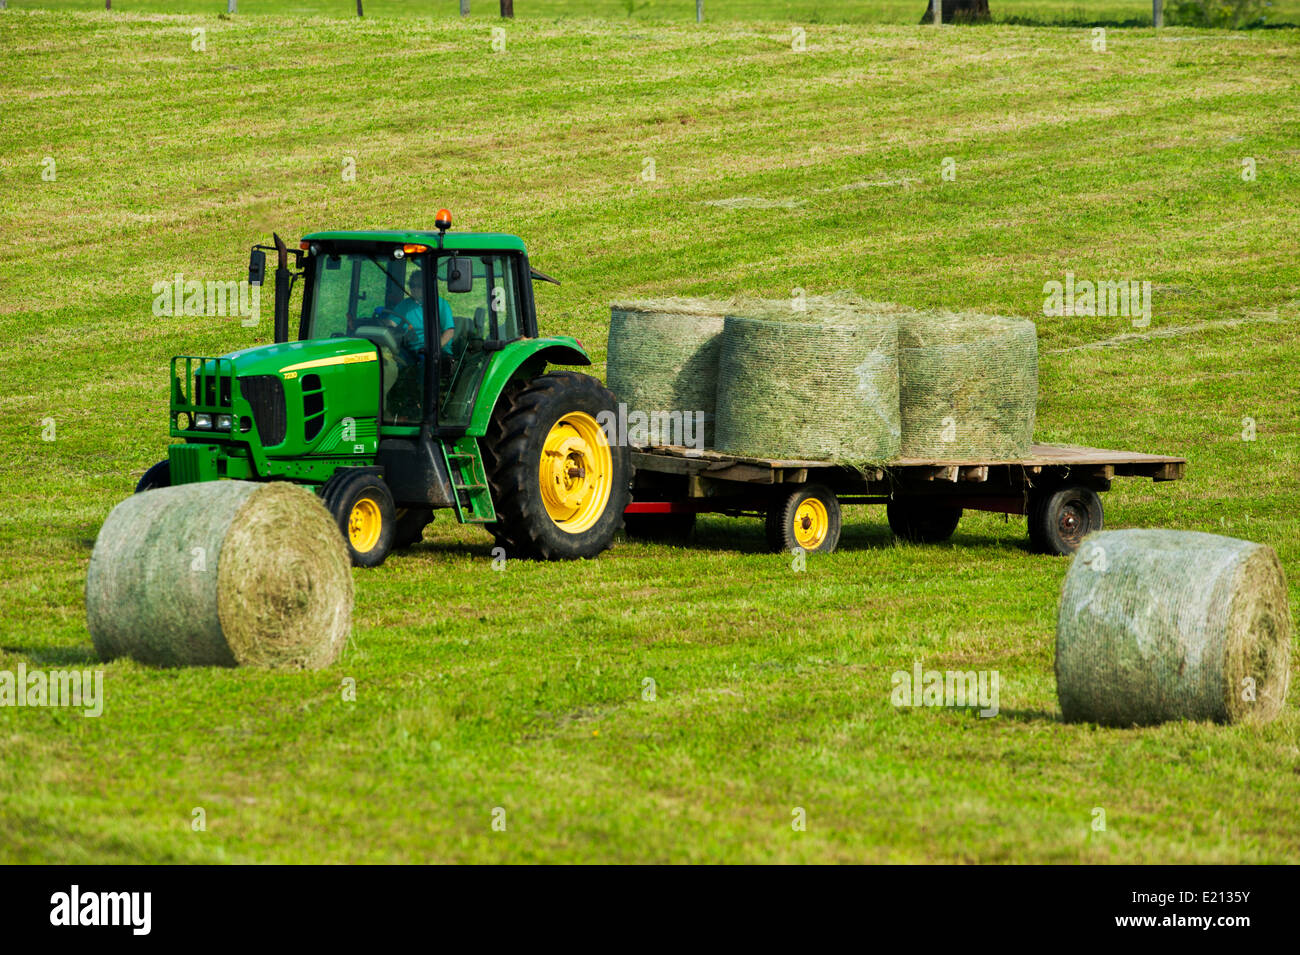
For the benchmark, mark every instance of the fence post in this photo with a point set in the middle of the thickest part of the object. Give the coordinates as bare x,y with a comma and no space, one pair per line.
232,6
699,11
1157,13
938,12
464,8
360,13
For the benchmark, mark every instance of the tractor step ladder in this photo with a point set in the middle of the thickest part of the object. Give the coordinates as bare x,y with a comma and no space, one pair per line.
470,492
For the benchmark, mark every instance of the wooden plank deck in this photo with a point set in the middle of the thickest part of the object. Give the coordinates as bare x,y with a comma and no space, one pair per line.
681,460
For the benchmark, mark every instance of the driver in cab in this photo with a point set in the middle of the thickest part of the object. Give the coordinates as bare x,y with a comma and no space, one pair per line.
408,317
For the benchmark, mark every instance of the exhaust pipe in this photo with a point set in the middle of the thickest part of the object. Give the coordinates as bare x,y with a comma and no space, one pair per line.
283,280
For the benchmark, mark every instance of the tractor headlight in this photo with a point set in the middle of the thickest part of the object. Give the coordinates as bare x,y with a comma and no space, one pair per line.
223,422
203,421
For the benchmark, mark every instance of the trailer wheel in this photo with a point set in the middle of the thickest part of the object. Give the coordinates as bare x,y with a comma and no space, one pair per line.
411,522
807,518
160,475
1059,518
363,509
661,528
920,520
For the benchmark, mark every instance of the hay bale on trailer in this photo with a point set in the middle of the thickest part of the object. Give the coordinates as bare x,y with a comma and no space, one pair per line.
223,573
968,385
1158,625
819,384
663,358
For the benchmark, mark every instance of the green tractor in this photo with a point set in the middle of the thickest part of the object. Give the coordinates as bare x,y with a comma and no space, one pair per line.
417,381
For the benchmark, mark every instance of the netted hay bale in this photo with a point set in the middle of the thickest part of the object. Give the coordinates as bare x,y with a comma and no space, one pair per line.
1163,625
222,573
968,385
819,384
663,358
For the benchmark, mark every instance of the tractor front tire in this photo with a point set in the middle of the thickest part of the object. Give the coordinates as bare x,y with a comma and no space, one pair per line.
559,486
160,475
362,507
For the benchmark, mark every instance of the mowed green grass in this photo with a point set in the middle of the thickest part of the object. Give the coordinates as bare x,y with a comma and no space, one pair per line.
523,688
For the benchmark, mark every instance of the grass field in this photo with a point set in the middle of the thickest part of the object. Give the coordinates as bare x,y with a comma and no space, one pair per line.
1032,12
522,689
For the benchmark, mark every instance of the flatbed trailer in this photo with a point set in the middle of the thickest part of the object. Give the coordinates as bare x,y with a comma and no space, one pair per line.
1056,487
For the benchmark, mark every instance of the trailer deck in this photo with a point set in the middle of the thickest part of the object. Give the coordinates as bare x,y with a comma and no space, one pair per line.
1056,486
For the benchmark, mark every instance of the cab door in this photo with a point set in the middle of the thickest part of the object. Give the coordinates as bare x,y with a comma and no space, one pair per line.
473,324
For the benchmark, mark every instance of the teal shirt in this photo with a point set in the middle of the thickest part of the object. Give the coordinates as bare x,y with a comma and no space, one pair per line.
411,313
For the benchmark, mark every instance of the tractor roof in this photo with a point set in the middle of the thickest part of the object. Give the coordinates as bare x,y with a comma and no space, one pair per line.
452,240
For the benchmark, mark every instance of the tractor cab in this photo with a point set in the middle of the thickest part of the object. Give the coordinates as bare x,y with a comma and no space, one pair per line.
436,307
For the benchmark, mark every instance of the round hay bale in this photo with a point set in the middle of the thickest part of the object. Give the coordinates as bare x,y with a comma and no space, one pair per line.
968,386
820,384
1161,625
663,358
221,573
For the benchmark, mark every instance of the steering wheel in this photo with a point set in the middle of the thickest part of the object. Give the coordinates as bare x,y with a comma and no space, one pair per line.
381,313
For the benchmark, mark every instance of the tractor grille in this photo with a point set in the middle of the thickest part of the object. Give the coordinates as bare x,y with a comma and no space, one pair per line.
265,393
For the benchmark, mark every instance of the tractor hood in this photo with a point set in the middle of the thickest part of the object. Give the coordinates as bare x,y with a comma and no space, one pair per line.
287,359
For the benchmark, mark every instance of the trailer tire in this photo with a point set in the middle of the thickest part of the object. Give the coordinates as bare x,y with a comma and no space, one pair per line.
559,487
920,520
362,506
160,475
1059,518
807,518
660,528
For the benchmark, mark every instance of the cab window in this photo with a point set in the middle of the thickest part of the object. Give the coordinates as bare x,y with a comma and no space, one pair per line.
488,312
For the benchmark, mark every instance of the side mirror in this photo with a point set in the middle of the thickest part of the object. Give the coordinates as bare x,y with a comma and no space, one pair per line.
257,267
460,274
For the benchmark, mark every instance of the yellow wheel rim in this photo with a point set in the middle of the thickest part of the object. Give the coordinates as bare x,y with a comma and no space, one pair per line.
364,524
576,472
810,524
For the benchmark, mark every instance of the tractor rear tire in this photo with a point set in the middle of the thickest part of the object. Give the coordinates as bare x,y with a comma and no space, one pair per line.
411,522
558,485
362,507
807,518
921,520
160,475
493,439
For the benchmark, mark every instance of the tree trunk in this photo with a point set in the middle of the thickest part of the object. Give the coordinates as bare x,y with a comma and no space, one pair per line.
959,11
508,9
